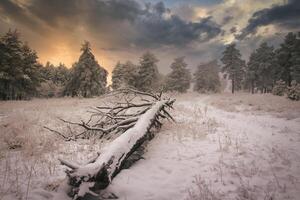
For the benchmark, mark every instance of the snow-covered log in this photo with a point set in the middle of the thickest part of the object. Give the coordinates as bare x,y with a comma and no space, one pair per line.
89,179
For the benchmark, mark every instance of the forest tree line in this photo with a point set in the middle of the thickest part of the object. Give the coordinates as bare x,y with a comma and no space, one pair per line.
268,70
23,77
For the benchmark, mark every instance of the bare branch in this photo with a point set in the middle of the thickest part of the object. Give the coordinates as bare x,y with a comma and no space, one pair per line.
123,114
55,131
168,115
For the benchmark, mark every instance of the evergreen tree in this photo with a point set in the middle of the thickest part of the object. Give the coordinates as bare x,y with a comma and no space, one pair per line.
180,77
117,76
124,75
206,77
19,70
252,75
286,60
148,75
62,75
31,70
88,77
295,60
48,72
55,79
233,66
260,71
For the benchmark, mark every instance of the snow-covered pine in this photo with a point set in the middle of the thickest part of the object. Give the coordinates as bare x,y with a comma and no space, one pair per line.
124,75
19,70
88,78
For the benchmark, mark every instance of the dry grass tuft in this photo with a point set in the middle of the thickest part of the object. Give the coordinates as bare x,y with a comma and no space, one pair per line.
202,191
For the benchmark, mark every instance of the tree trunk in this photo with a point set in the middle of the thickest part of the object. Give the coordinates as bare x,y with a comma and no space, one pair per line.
232,86
289,80
87,180
252,87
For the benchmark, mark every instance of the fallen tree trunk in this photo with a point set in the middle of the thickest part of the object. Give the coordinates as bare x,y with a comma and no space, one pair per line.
89,179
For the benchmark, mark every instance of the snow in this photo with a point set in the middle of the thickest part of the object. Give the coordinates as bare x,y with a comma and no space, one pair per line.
236,153
246,156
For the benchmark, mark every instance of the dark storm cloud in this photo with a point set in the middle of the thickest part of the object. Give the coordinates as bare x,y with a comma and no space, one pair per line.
157,27
14,11
286,15
91,12
152,24
227,19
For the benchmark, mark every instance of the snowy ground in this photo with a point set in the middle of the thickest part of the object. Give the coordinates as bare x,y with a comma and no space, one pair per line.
222,147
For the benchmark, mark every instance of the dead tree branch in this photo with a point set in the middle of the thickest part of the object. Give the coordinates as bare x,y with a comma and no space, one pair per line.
119,117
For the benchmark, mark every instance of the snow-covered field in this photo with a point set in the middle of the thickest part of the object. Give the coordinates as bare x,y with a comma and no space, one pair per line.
223,146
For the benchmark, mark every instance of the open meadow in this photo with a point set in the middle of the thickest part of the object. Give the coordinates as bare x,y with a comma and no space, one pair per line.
222,146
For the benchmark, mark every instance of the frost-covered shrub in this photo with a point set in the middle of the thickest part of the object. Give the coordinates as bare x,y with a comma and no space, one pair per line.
279,88
293,92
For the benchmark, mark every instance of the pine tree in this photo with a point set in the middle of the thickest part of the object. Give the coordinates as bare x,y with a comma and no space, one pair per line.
124,75
251,75
148,75
31,70
180,77
62,75
295,60
233,66
55,79
260,71
285,58
206,77
88,77
48,72
19,70
117,76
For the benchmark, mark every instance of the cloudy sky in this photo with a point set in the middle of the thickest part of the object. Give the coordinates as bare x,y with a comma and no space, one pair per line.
121,30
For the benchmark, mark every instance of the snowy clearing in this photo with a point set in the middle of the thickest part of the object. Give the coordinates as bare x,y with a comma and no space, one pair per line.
223,146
